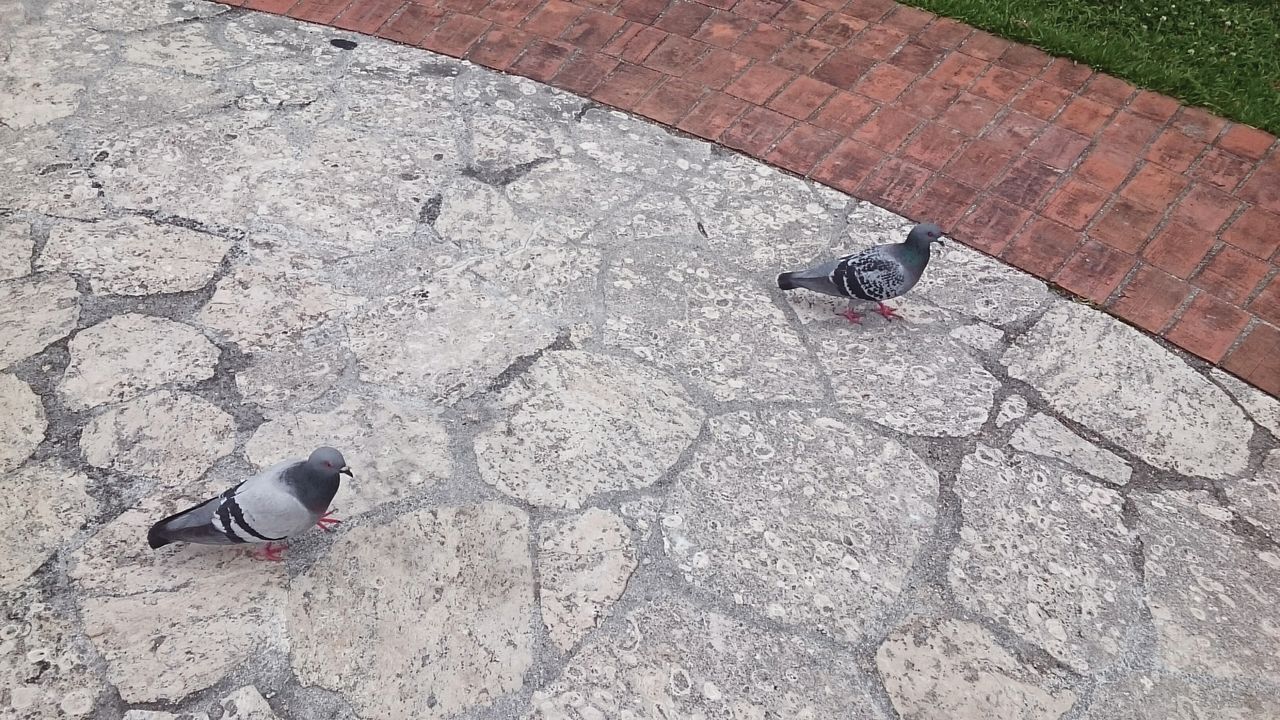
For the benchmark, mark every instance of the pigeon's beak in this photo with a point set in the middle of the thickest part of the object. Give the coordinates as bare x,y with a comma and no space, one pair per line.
346,471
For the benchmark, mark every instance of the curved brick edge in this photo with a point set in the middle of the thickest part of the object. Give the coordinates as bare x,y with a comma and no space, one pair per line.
1164,215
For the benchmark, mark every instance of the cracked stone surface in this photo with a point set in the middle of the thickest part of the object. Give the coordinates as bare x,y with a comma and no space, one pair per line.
827,536
675,659
45,667
1210,593
1044,436
1264,409
881,376
127,355
542,451
16,245
604,468
945,669
1122,385
466,615
243,704
265,304
1258,498
22,424
134,256
44,505
680,310
35,312
168,436
1051,561
447,341
172,622
584,565
1168,697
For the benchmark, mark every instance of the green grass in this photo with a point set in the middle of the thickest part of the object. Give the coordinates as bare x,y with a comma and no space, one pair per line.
1220,54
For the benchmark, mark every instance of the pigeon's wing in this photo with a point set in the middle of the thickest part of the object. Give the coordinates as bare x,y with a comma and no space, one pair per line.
264,508
194,525
873,274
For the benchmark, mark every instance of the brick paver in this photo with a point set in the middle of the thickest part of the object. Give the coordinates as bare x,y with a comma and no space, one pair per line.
1167,216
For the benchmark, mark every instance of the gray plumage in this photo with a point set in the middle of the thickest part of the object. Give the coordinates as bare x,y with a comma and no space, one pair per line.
877,273
282,501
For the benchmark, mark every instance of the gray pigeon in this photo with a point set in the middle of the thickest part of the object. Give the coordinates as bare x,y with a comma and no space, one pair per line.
877,273
284,500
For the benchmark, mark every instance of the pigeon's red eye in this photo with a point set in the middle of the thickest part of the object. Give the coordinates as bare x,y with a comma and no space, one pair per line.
933,234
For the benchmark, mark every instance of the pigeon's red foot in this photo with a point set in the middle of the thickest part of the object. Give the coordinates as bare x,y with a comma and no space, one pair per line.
851,316
270,552
324,522
887,312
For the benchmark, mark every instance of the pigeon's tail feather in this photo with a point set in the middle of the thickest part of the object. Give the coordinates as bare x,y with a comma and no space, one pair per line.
156,538
191,525
786,281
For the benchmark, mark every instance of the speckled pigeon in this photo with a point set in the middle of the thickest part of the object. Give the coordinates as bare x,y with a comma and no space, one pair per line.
282,501
877,273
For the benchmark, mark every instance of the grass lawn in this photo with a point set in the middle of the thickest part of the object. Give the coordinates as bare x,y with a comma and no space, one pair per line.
1220,54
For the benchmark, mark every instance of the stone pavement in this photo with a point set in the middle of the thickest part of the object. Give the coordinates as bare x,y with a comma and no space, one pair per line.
604,469
1164,215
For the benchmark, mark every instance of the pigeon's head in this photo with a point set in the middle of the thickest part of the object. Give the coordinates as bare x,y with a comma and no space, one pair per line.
327,460
924,235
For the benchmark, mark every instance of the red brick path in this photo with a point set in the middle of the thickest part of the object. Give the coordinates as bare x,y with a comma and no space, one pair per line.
1166,216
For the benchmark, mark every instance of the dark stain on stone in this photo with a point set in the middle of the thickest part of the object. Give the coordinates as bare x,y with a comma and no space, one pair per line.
343,44
430,209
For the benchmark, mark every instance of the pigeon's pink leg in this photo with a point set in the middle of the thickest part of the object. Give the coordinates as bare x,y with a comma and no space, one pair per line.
851,316
270,551
887,312
324,522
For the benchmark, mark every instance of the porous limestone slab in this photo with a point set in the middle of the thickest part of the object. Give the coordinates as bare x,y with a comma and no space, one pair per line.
1211,593
944,669
214,168
174,621
463,625
584,563
1044,436
128,355
1122,385
909,376
35,311
128,15
674,659
681,310
43,504
806,519
1264,409
170,436
134,256
186,46
577,424
16,245
46,670
965,281
1046,553
1257,498
42,171
447,341
395,451
27,102
243,704
268,300
759,218
22,424
296,372
1154,696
